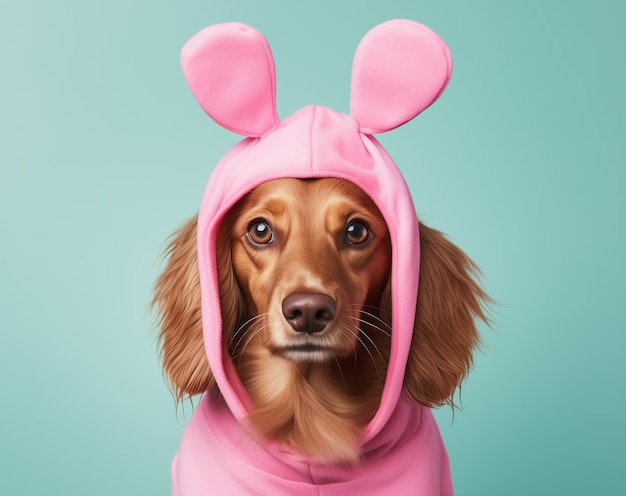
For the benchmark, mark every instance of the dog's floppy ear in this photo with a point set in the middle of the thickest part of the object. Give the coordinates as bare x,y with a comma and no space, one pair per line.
177,298
445,335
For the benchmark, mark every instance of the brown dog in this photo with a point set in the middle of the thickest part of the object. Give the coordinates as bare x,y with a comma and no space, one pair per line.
303,270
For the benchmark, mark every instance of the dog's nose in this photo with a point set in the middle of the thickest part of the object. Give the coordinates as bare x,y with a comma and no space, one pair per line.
309,312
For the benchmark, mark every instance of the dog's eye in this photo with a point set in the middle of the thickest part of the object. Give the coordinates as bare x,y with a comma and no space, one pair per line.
357,233
260,232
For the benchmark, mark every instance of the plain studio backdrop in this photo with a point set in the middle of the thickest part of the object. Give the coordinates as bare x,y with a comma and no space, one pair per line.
104,152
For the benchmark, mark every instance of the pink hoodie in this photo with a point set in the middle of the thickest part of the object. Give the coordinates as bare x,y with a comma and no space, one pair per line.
400,68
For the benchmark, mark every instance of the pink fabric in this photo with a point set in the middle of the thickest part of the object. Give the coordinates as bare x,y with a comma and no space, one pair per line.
217,457
230,70
400,69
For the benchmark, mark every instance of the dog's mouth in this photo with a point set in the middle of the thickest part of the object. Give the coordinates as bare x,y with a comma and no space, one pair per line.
306,352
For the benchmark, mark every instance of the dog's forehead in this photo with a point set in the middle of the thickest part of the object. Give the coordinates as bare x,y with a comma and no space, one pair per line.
290,193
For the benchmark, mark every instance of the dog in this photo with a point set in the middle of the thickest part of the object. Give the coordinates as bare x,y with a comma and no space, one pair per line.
290,302
304,268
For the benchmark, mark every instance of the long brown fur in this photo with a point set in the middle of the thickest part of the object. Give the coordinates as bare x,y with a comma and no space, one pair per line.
318,408
177,297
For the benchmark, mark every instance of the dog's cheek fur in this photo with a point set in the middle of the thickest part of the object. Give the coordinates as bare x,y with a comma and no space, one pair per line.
445,334
177,298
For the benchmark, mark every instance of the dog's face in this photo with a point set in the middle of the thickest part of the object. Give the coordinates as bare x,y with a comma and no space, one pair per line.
303,270
309,257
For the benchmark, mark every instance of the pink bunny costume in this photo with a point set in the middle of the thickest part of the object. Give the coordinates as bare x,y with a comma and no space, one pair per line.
400,68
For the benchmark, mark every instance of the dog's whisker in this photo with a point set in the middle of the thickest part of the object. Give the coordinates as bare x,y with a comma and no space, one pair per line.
239,356
241,327
371,341
373,326
253,333
359,332
370,354
377,319
372,315
245,331
242,337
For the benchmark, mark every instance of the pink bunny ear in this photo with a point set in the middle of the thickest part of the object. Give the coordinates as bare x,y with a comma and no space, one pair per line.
400,68
230,70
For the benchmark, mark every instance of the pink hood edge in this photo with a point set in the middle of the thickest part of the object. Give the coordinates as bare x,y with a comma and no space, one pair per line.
400,68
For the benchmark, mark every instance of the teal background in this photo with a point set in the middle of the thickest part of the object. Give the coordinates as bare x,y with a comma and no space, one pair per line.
103,153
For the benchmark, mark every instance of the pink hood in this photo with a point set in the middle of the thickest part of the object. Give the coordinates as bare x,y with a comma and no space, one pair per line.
400,68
